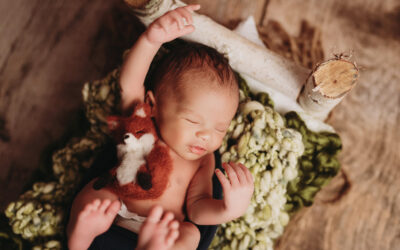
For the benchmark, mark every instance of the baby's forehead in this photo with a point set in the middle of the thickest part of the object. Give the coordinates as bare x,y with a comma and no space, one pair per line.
201,90
208,98
204,79
195,84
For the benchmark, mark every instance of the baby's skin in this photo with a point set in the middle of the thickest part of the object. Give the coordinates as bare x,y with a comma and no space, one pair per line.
95,218
93,211
159,231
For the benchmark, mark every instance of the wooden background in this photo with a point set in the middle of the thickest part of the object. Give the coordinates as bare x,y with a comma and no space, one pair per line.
49,48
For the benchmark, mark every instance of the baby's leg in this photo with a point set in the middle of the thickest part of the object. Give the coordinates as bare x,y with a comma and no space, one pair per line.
158,233
189,236
92,213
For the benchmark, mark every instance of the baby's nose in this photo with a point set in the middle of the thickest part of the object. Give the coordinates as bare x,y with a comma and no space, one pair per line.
204,135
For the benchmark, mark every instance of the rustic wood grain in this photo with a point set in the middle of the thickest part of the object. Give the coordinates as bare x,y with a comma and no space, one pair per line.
48,49
367,216
230,12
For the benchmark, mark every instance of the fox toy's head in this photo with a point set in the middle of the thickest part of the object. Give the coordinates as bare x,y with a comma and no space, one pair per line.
144,163
127,130
135,136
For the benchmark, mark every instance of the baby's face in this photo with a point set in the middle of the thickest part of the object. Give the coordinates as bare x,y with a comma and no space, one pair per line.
195,126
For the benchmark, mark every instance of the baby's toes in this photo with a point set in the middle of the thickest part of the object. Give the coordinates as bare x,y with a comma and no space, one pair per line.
171,237
89,208
155,214
173,225
149,225
95,204
104,205
113,208
167,218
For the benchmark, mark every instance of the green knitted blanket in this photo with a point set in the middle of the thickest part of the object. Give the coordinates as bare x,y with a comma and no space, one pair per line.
289,162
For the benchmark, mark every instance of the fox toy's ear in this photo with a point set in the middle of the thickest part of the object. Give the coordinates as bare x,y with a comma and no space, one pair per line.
116,126
142,110
113,123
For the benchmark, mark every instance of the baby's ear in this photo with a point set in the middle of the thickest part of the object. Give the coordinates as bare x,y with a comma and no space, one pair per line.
151,101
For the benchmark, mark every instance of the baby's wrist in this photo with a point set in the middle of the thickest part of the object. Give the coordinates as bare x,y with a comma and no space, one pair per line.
229,213
234,211
156,43
149,42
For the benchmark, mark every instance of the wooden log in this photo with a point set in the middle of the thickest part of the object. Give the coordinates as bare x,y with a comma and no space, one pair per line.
326,86
245,56
251,59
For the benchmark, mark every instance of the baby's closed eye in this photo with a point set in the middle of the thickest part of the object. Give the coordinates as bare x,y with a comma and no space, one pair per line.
192,121
221,130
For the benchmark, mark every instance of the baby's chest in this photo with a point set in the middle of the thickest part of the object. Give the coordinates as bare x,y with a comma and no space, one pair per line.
173,197
179,179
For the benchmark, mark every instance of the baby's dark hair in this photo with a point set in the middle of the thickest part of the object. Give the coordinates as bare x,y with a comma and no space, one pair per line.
186,61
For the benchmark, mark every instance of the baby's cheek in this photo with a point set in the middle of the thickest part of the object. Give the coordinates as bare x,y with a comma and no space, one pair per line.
218,142
180,135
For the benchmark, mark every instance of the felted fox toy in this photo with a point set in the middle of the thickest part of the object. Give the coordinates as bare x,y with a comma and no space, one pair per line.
144,163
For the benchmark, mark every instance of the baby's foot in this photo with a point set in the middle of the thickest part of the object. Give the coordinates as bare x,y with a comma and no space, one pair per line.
158,233
92,221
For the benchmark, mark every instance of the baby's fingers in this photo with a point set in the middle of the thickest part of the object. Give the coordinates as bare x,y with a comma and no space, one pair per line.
247,173
222,179
186,15
232,175
239,172
192,7
178,19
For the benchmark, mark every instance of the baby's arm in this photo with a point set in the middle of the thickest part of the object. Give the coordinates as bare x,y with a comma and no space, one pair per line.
202,209
134,69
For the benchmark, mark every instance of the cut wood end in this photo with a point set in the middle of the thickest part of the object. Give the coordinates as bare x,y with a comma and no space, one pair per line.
136,3
335,77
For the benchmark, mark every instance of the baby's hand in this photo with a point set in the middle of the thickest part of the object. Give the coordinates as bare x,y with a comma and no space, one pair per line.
238,189
171,25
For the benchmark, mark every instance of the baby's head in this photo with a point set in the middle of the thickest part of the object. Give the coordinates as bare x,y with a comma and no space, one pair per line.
194,95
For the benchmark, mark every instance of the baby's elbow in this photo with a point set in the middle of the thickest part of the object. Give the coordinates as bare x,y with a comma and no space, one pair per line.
193,216
196,216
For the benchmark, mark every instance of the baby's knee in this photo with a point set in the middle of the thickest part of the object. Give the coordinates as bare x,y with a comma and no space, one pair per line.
189,236
88,195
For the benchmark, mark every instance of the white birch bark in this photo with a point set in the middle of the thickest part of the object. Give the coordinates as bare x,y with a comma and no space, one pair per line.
258,64
327,86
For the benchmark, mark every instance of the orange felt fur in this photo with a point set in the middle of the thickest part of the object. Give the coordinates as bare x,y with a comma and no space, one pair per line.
151,178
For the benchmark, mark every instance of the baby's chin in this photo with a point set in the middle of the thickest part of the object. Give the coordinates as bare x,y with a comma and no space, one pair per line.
193,157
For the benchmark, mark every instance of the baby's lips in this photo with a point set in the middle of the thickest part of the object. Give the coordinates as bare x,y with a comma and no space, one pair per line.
197,149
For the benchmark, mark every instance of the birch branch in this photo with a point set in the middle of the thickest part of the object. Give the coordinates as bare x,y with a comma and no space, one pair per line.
327,86
253,60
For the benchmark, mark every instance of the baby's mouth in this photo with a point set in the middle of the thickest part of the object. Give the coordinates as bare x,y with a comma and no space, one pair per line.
197,150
